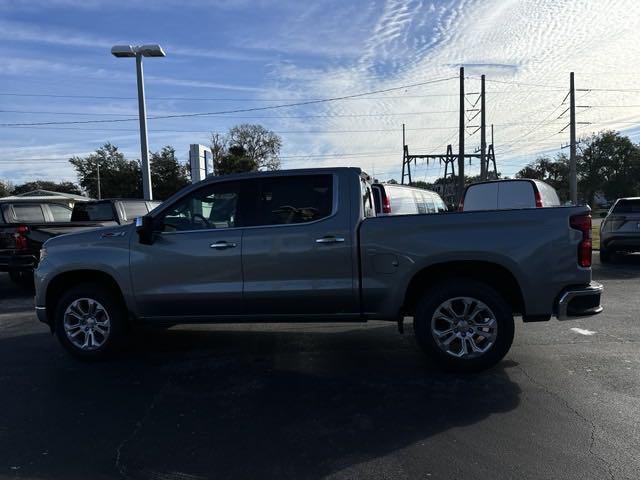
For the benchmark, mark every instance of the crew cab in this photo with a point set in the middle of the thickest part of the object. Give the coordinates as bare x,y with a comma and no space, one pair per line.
305,245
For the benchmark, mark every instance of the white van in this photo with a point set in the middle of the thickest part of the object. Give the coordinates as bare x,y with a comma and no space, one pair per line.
508,195
391,199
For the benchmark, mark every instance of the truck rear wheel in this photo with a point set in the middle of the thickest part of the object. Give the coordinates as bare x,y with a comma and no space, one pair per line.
464,325
90,321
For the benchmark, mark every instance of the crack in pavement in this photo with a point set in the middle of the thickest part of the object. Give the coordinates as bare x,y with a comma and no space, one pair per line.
592,439
121,467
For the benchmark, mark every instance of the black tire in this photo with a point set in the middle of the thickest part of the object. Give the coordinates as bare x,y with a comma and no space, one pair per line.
605,255
111,303
436,296
22,278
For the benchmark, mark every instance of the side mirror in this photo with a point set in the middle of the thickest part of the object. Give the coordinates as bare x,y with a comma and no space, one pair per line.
144,228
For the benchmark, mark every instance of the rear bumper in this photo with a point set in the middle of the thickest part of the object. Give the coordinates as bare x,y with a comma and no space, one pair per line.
17,262
579,301
622,242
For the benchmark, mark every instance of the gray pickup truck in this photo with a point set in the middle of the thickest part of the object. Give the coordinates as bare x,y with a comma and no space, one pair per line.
305,245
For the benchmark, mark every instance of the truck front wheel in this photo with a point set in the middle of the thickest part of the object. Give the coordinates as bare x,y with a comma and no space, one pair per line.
90,321
464,325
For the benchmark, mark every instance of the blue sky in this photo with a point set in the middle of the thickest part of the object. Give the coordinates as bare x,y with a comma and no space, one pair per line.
236,54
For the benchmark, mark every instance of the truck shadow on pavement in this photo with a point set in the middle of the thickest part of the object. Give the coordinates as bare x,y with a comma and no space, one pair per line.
278,402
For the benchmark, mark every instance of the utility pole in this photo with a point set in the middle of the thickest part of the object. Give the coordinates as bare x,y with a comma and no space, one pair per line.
461,137
483,134
573,176
98,165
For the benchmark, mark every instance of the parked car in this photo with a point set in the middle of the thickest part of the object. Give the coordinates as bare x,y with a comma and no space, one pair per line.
509,194
25,224
305,245
620,229
390,199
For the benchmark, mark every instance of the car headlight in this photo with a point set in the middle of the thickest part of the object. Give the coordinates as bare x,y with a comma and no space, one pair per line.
43,253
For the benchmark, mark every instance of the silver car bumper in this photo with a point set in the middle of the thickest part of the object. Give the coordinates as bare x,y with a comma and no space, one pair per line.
580,301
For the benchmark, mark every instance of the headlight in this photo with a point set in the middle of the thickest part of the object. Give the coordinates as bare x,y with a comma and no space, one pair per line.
43,253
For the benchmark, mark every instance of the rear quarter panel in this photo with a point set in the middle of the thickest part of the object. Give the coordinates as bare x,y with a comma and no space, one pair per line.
536,245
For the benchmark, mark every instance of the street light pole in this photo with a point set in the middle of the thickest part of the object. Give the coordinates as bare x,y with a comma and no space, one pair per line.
147,190
128,51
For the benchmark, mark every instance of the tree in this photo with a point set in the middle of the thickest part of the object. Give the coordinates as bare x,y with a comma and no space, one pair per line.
5,188
422,184
119,177
167,175
62,187
245,148
608,163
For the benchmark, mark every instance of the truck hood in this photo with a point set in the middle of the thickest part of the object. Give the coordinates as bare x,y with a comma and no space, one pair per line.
90,236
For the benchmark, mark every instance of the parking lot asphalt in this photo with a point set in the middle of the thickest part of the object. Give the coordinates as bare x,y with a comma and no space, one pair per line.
310,401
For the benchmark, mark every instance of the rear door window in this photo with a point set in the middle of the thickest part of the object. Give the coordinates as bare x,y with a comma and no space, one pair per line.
28,213
515,195
483,196
291,199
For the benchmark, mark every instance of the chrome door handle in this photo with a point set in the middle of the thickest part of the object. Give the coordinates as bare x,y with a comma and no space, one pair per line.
222,245
330,240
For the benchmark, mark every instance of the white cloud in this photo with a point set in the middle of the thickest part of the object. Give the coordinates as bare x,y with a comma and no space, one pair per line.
534,41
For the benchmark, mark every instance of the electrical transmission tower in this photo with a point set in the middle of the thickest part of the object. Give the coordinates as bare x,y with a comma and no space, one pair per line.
454,186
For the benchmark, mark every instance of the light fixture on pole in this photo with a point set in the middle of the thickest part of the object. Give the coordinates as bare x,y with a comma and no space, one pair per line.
128,51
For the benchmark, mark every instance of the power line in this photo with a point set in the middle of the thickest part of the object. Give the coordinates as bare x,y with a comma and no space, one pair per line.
337,115
240,110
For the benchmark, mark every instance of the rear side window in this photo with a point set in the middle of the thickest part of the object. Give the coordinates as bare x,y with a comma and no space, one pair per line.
93,212
60,213
28,213
483,196
627,206
514,195
134,209
291,199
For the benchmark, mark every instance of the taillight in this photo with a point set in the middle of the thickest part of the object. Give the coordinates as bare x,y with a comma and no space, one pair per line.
583,223
386,204
20,237
539,201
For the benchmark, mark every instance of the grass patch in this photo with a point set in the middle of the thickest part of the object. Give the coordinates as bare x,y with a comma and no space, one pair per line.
595,237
